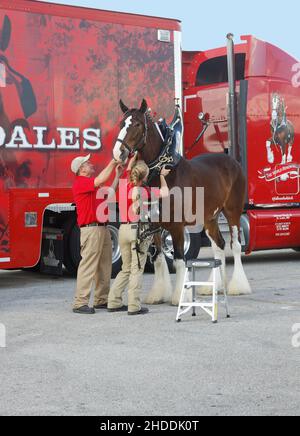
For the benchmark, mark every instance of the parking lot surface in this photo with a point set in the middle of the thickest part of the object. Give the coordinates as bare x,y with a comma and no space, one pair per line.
59,363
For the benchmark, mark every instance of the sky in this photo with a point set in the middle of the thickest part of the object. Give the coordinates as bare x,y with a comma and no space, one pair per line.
206,24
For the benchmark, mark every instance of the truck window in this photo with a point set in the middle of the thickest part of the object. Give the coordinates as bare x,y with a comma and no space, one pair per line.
215,70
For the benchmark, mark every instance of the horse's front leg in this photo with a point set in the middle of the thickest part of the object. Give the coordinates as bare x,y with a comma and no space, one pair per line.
270,153
161,291
177,233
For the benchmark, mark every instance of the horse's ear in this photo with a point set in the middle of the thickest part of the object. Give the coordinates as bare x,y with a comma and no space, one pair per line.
144,106
123,107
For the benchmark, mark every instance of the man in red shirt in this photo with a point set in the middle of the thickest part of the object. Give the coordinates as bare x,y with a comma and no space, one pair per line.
95,240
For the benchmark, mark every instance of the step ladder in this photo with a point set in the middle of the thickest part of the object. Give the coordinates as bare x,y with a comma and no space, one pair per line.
211,308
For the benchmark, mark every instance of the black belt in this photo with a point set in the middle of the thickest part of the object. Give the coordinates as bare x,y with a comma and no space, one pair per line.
94,225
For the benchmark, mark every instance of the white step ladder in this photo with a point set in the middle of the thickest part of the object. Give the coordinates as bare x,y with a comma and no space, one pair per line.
211,308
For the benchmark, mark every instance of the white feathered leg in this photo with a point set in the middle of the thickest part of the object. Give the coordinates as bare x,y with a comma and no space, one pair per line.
180,276
270,153
218,255
161,291
290,157
239,284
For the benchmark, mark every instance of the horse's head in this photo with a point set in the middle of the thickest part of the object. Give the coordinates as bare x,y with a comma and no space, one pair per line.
133,133
275,100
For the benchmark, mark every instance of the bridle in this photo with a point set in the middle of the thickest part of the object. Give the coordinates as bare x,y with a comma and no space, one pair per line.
141,143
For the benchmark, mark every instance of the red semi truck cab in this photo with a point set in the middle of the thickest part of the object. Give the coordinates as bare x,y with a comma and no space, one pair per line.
63,70
268,89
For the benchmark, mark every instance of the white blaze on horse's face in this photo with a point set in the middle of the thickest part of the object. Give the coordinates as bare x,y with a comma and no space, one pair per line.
275,102
118,152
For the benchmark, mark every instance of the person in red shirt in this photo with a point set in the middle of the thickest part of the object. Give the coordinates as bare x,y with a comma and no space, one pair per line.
95,240
133,263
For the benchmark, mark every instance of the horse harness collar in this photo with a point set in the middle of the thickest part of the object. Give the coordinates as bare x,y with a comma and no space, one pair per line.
168,156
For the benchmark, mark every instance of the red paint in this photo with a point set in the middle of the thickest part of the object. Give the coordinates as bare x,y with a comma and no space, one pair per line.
274,229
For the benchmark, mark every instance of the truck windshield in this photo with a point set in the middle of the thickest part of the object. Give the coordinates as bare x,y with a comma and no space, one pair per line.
215,70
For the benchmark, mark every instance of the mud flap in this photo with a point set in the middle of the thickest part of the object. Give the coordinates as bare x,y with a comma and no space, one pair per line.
52,253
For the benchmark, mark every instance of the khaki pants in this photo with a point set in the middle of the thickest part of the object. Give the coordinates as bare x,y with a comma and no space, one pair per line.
95,266
130,275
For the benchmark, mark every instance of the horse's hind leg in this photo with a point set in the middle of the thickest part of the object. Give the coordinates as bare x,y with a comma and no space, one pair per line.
239,284
161,291
218,247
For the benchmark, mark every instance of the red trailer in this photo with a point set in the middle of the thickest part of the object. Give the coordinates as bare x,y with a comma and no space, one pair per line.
63,70
268,132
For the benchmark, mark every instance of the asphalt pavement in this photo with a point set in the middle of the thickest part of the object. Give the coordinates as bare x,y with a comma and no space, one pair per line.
59,363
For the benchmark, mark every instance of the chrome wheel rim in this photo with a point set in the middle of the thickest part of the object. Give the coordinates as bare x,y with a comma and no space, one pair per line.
167,243
116,252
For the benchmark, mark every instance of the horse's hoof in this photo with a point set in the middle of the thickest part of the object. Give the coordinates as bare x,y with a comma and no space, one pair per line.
239,292
204,292
153,302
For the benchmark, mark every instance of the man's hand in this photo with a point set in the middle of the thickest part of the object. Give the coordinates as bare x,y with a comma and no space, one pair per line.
105,174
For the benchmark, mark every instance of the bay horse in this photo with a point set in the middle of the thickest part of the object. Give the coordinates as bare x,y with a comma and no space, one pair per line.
224,191
283,132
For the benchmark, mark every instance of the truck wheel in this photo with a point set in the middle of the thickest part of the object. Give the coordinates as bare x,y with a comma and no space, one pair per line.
192,247
116,256
72,246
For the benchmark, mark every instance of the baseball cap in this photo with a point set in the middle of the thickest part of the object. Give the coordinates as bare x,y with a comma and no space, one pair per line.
78,161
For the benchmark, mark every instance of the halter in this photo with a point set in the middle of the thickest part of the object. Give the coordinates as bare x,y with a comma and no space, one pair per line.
142,143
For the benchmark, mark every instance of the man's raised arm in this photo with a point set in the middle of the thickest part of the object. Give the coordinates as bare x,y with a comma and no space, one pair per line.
105,174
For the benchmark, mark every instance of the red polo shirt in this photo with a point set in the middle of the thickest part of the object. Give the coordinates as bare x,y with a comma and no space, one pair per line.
85,194
126,205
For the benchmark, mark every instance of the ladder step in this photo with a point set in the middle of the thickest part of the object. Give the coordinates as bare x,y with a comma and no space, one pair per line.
196,305
189,284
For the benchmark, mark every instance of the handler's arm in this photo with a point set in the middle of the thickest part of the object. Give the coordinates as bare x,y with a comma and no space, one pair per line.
132,162
105,174
164,190
119,172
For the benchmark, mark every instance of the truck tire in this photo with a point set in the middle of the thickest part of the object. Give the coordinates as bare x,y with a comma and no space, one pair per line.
72,247
116,257
191,249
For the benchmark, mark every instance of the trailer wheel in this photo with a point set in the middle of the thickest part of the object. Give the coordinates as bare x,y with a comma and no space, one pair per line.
116,252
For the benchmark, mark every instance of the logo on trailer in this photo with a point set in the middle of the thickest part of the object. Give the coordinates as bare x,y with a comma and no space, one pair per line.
69,139
280,144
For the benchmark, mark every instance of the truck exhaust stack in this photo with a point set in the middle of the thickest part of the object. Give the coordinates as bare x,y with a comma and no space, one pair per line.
232,99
